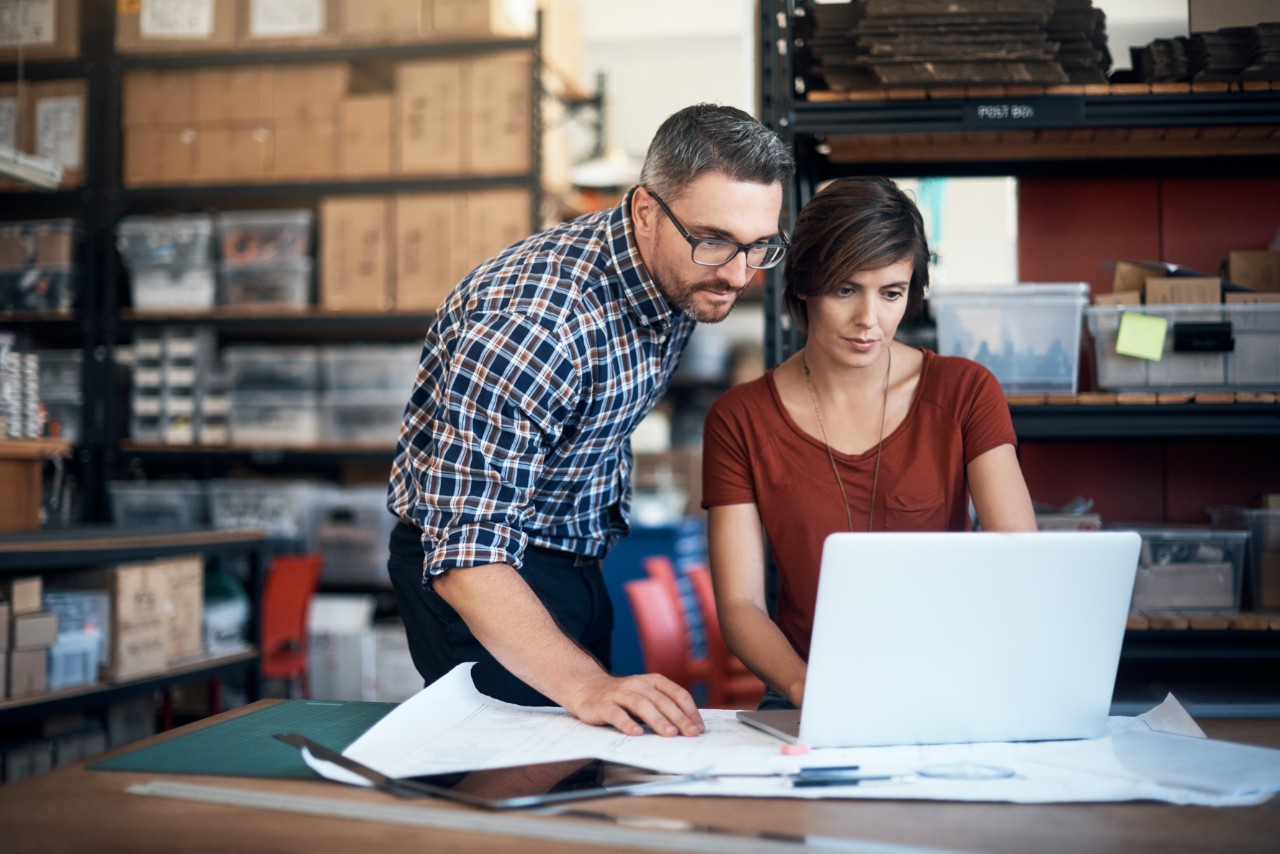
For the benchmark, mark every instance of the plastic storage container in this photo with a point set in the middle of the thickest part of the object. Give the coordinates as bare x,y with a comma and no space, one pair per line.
1028,335
370,418
158,504
283,419
74,659
172,286
370,368
285,510
352,532
281,284
272,369
1189,569
39,288
1206,348
37,243
170,241
251,238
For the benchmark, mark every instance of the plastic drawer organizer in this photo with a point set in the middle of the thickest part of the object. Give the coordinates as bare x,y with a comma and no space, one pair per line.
1028,335
1189,569
1206,348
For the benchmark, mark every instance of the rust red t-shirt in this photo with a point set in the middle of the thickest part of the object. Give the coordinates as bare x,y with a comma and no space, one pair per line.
754,453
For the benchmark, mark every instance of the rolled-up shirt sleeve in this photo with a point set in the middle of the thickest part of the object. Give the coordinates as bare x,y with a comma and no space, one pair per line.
508,389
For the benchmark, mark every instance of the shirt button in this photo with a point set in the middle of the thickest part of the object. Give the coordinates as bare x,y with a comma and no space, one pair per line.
662,339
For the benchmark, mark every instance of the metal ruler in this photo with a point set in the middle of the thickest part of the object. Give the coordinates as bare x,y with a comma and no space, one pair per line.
608,831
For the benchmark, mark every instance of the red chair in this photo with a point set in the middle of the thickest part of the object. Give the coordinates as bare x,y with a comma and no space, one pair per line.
729,683
664,646
662,570
286,599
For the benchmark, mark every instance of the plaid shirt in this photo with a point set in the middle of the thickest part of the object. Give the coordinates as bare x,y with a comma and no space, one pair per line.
533,375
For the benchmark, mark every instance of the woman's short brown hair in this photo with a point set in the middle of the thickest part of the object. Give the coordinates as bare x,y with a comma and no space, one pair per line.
854,224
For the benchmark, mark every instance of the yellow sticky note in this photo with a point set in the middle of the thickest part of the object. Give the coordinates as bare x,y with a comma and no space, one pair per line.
1141,335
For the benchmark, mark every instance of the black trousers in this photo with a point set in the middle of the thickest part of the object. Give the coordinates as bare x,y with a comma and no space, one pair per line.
572,589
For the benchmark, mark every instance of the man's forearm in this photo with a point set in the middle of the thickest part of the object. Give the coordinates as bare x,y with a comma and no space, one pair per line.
510,621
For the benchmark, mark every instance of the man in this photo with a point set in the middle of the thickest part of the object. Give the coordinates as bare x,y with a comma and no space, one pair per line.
512,474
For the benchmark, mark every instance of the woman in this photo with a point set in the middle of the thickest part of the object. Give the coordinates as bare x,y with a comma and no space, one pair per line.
855,432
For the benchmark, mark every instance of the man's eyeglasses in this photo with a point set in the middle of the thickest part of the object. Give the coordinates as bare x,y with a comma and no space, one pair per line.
714,252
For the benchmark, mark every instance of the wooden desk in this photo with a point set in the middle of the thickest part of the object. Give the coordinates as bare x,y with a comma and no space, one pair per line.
73,809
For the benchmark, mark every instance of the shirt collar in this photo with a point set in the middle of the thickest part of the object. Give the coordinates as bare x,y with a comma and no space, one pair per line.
641,291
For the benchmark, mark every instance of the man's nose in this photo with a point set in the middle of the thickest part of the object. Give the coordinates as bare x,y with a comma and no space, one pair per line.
736,274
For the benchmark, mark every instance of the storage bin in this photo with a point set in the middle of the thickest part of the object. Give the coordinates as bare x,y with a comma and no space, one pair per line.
178,241
363,419
1264,558
172,286
283,419
74,659
250,238
353,531
1028,335
1189,569
281,284
59,374
158,504
1206,348
369,368
272,369
39,288
284,509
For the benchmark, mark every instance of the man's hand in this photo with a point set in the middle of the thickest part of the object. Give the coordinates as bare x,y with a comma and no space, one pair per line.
626,702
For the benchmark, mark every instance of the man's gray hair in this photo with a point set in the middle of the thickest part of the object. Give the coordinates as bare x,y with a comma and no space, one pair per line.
714,138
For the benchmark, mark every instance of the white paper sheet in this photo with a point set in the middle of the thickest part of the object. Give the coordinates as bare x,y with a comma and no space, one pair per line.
449,726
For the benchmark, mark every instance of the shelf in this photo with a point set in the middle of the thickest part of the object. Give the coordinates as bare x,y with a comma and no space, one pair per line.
33,449
313,322
42,69
259,454
276,54
1137,421
89,546
42,706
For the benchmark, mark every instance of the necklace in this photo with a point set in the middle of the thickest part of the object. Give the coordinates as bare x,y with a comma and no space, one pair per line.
875,477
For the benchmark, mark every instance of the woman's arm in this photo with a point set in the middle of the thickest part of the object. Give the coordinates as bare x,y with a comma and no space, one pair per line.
736,548
999,491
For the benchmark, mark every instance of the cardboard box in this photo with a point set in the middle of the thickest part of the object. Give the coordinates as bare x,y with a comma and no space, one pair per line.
40,29
1182,291
309,150
337,626
495,220
1211,15
1132,275
1249,298
1118,298
562,47
309,93
225,96
57,116
233,154
36,630
23,594
364,136
137,634
500,120
1259,269
380,20
165,26
430,249
156,97
160,156
1266,593
429,118
458,19
274,25
184,607
355,242
28,672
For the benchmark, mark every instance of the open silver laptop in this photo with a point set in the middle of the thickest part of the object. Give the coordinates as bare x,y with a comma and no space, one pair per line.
932,638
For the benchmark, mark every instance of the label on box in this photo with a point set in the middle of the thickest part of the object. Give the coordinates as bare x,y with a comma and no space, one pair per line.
1141,335
27,22
176,19
59,130
272,18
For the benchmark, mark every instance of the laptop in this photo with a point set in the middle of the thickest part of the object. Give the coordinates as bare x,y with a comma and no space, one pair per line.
936,638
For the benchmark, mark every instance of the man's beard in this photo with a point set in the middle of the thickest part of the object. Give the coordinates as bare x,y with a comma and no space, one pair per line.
686,302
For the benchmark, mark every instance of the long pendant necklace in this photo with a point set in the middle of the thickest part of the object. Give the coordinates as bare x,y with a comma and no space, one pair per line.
817,412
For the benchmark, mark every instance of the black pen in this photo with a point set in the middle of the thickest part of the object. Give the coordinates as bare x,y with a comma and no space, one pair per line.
809,780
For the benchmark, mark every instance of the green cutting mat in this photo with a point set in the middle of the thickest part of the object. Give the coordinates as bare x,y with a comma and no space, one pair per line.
244,747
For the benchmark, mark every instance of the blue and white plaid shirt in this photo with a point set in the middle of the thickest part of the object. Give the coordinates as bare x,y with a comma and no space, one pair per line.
533,375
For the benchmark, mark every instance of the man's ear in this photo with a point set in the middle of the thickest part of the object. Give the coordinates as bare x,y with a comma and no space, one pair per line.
644,213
